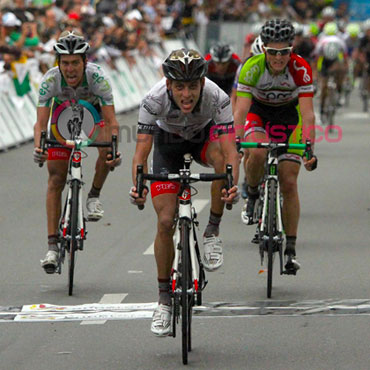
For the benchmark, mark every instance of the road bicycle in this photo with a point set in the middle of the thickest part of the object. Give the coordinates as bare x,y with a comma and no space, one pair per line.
331,102
72,225
268,208
188,278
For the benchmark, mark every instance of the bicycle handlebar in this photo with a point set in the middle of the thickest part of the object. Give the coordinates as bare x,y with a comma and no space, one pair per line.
273,146
80,144
195,177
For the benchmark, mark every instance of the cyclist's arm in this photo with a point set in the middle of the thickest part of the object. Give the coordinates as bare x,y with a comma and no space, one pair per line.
110,119
228,148
308,118
241,110
41,124
144,144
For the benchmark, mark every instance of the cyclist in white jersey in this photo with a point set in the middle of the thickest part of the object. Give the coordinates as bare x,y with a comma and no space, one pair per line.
184,113
74,78
331,57
274,96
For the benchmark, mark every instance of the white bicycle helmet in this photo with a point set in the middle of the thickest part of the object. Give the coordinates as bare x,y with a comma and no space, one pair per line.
256,47
71,43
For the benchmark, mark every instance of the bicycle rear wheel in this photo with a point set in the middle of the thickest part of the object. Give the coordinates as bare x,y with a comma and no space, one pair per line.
185,285
271,233
73,232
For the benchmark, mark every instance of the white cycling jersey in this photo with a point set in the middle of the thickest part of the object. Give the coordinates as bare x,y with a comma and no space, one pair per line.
330,39
95,87
159,109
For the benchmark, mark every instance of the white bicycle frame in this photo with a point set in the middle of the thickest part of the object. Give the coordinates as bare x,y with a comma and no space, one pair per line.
75,174
186,212
271,162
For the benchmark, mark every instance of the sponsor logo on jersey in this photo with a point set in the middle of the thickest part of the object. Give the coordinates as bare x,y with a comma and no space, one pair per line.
165,186
225,103
275,95
306,76
248,78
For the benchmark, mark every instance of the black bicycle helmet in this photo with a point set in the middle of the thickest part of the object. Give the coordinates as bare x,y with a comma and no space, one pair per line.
221,53
71,43
277,30
184,65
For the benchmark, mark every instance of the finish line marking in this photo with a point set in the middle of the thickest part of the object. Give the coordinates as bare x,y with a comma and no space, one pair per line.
107,298
198,204
126,311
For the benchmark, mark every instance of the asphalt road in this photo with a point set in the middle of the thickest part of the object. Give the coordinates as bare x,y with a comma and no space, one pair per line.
318,319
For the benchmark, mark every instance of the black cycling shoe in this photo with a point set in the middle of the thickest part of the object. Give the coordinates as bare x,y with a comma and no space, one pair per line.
291,264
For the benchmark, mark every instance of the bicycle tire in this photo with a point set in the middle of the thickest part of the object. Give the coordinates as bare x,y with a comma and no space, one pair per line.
73,241
271,233
185,266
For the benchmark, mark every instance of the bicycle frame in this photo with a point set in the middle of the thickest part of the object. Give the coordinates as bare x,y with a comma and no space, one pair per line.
186,213
188,279
75,175
269,234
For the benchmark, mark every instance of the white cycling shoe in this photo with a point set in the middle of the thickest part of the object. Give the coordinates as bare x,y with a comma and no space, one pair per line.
161,324
50,263
212,257
94,209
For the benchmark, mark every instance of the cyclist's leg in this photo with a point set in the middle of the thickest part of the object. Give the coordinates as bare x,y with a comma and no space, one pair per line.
93,204
289,166
165,207
168,158
288,175
207,152
57,169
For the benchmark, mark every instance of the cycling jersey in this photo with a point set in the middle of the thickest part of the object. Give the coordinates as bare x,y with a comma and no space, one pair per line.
225,80
159,109
95,87
256,81
53,91
331,39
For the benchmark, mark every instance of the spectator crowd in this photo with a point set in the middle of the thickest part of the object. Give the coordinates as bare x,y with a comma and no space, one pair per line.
29,28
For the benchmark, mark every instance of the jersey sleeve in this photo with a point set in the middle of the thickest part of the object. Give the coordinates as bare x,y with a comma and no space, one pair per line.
47,88
101,86
149,112
223,113
249,75
302,75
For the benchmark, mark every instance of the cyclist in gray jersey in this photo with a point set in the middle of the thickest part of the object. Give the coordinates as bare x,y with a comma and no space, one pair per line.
73,79
184,113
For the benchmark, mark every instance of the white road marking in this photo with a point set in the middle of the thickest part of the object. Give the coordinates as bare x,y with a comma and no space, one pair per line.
92,312
106,299
134,272
198,204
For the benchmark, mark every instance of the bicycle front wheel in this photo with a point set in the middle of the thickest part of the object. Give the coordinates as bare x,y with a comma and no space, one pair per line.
271,233
185,285
74,233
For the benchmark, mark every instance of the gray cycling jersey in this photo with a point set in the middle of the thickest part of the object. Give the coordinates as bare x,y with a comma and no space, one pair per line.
158,109
95,88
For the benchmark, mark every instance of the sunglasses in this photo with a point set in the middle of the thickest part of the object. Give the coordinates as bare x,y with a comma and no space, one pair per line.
284,51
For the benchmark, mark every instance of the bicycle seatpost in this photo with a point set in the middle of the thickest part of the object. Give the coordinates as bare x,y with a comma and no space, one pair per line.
139,183
42,144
